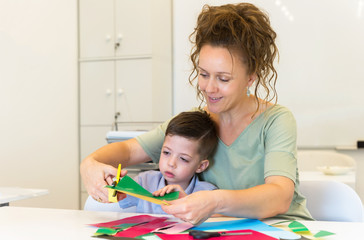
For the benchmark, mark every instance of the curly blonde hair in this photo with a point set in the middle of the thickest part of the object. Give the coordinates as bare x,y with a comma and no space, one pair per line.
244,29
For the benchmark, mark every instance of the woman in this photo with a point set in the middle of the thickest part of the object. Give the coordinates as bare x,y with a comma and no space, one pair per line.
255,163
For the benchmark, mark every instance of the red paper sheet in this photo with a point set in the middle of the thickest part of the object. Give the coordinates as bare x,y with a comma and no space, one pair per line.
143,228
254,236
134,219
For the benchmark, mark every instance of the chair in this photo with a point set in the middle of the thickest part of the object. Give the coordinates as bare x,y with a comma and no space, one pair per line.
309,160
93,205
332,201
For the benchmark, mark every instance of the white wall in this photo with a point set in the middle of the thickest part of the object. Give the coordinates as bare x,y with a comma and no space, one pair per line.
39,99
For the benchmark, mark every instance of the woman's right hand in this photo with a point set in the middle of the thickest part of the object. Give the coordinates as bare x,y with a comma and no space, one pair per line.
194,208
96,175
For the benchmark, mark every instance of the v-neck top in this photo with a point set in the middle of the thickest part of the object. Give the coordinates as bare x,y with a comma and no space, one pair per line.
266,147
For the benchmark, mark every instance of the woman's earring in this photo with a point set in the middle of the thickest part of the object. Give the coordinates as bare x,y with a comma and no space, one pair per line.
248,91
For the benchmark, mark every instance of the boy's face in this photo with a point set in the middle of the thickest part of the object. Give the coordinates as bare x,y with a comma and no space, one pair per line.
180,160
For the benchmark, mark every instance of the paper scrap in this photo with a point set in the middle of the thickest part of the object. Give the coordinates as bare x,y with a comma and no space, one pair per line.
323,234
142,229
128,220
174,228
301,229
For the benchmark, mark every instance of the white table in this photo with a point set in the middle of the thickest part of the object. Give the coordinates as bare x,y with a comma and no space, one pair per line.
348,178
10,194
42,223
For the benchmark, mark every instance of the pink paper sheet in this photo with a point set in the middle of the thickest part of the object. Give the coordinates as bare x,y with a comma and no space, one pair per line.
143,228
174,228
134,219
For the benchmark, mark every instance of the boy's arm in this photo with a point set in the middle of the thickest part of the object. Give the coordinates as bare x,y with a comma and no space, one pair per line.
170,188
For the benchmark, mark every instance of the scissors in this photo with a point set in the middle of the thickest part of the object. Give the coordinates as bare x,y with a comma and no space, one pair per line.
116,181
196,234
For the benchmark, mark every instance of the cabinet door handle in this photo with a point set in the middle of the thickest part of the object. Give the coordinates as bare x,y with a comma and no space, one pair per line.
120,91
117,45
119,37
118,40
108,92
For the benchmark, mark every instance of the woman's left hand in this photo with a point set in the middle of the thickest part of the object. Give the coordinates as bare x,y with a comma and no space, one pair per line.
194,208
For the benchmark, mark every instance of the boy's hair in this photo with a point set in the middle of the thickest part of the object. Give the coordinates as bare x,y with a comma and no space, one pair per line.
195,125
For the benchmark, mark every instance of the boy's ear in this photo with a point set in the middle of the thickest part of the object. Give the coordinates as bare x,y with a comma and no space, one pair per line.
203,165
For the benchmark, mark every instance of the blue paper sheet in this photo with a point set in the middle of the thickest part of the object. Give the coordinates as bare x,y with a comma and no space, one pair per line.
242,224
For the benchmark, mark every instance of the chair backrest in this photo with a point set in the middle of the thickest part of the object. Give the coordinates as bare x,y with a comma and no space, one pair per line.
93,205
332,201
309,160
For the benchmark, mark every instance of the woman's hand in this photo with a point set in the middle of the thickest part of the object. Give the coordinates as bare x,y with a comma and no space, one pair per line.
194,208
169,189
95,176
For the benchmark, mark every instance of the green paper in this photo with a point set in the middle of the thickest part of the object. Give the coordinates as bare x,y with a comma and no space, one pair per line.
297,227
105,231
125,226
323,234
127,184
112,231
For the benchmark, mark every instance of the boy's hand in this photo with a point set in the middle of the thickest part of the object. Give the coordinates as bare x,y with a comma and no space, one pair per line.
170,188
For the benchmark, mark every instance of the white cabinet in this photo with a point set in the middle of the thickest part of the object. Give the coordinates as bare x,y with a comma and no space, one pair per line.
96,28
123,86
125,61
97,92
133,26
115,28
134,91
125,67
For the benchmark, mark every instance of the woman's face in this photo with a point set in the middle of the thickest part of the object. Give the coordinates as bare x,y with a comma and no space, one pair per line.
223,79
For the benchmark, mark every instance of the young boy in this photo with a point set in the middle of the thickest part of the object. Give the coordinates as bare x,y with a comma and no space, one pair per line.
189,139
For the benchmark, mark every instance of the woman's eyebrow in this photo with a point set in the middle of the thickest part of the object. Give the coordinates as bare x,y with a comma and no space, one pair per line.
217,72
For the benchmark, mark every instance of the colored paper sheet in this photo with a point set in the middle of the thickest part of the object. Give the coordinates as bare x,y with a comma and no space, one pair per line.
112,237
298,227
239,224
128,220
301,229
243,224
174,228
254,236
113,230
322,233
128,186
106,231
143,229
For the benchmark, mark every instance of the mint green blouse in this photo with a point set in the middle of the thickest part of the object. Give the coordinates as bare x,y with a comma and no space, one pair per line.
266,147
